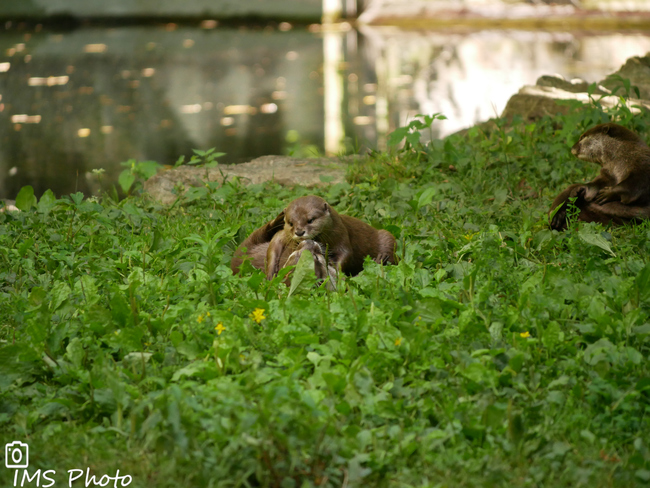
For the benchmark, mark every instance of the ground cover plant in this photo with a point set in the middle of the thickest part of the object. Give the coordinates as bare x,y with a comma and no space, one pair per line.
496,353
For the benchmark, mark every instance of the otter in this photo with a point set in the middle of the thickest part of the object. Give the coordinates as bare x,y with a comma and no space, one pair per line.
621,192
254,248
346,241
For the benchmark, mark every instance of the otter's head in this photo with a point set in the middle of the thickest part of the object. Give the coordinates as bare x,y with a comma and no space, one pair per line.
599,141
306,217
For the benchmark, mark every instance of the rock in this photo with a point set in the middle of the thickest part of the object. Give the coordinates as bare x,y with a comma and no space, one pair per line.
284,170
8,206
574,86
533,102
637,70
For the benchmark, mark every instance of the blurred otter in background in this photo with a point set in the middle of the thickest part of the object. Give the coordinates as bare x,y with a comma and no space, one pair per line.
621,192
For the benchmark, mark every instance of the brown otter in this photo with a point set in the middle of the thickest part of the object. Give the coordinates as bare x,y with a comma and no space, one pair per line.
621,192
347,241
254,248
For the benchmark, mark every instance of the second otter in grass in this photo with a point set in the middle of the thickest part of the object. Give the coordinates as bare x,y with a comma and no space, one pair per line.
621,192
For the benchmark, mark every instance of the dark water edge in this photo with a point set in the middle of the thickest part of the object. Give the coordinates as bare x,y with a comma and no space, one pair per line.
94,97
144,10
90,98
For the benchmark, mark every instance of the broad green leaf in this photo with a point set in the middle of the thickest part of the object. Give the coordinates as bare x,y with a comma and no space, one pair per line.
46,203
148,168
60,292
552,335
397,136
126,179
25,198
303,275
595,239
426,197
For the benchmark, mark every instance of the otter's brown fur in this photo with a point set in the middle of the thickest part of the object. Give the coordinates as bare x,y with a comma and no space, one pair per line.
255,245
621,192
346,240
254,248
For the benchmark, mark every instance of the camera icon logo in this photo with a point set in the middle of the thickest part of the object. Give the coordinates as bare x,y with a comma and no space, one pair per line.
16,455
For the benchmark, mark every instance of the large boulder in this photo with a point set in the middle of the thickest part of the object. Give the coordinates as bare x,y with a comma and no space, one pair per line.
533,102
637,71
284,170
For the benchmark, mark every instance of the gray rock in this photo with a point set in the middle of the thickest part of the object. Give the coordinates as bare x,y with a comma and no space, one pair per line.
637,70
573,86
533,102
284,170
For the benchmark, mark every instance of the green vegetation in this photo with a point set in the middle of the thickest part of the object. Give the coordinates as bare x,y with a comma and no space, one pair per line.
496,353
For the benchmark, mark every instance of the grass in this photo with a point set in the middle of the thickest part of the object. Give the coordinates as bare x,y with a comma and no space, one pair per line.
496,353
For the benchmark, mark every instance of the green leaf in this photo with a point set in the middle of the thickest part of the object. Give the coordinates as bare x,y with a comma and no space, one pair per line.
25,198
75,352
643,385
46,203
641,329
303,275
77,197
60,293
126,179
413,138
642,474
500,196
255,281
147,169
426,197
642,281
595,239
396,137
588,436
552,335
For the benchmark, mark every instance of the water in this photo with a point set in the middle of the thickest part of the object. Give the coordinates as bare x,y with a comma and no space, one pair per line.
73,102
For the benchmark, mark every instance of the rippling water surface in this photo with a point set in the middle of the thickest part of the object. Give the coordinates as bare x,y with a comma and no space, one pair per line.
94,97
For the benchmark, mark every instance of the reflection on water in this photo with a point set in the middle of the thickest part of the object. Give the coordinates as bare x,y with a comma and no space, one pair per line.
92,98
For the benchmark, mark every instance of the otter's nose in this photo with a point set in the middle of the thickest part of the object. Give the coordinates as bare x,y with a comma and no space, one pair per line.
300,233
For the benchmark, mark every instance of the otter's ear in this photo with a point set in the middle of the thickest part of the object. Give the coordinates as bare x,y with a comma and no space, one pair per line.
325,207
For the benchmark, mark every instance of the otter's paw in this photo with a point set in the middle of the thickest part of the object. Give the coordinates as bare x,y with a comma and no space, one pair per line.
278,221
383,258
604,195
558,222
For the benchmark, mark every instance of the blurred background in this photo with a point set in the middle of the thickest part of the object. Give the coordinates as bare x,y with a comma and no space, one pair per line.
86,85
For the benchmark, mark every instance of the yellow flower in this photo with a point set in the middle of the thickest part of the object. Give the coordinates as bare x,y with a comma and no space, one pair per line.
258,315
200,319
219,328
398,341
207,314
525,334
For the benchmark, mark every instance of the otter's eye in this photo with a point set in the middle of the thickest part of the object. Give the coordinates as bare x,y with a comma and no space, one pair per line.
311,220
290,224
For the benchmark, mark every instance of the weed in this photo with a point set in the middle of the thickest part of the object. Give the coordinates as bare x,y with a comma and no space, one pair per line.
496,353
